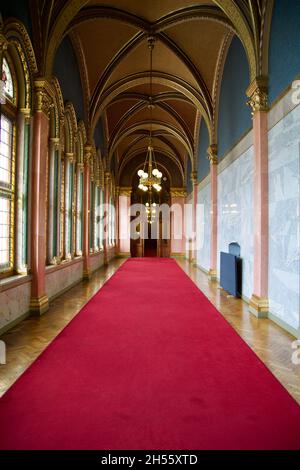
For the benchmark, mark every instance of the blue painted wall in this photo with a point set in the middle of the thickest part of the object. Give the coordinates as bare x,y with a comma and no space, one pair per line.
17,9
203,166
284,52
189,184
67,71
234,115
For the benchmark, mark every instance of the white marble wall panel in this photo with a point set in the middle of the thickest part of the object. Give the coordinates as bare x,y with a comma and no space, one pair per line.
284,197
235,214
14,303
203,227
96,261
60,279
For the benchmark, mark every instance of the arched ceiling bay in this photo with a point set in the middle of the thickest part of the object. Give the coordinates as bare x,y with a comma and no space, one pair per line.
189,36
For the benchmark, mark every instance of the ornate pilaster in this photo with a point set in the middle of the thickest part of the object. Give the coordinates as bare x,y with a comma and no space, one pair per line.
42,104
212,154
258,101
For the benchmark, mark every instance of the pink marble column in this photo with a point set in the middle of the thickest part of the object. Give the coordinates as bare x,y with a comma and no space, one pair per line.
124,221
259,304
39,302
86,212
194,225
178,196
213,158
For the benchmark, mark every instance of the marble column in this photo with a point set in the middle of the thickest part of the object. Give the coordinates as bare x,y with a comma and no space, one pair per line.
86,212
258,100
107,178
39,302
124,221
213,158
178,196
193,246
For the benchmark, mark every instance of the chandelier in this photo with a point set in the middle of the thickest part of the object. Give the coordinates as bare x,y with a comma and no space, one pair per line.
150,177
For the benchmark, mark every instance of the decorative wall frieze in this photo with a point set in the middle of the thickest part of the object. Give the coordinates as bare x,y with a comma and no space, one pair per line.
258,95
212,154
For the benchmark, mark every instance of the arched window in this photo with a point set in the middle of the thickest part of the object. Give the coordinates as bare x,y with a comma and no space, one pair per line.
7,167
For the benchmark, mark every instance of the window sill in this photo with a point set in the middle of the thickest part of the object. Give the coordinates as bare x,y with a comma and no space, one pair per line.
63,264
14,281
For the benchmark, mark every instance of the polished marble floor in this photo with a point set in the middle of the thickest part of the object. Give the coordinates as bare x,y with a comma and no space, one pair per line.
29,338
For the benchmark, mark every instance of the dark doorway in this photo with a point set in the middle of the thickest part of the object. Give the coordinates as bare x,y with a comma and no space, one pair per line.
150,245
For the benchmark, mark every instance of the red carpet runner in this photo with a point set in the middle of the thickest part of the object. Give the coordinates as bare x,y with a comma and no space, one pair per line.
148,363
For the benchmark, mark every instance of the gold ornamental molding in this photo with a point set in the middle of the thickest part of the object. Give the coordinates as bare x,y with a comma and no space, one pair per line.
258,95
212,154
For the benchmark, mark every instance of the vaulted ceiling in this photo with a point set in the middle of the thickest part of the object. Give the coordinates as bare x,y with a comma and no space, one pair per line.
110,38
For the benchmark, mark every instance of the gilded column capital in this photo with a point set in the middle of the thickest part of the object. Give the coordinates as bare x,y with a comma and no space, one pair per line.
43,96
55,142
258,95
125,191
107,177
80,166
212,154
26,113
88,152
70,156
178,192
194,177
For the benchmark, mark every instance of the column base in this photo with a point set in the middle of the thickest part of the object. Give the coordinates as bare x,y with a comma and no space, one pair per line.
86,275
212,274
259,306
39,305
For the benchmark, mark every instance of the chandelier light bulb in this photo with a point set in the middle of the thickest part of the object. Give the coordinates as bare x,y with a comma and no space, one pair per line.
145,175
147,204
155,171
140,173
141,186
